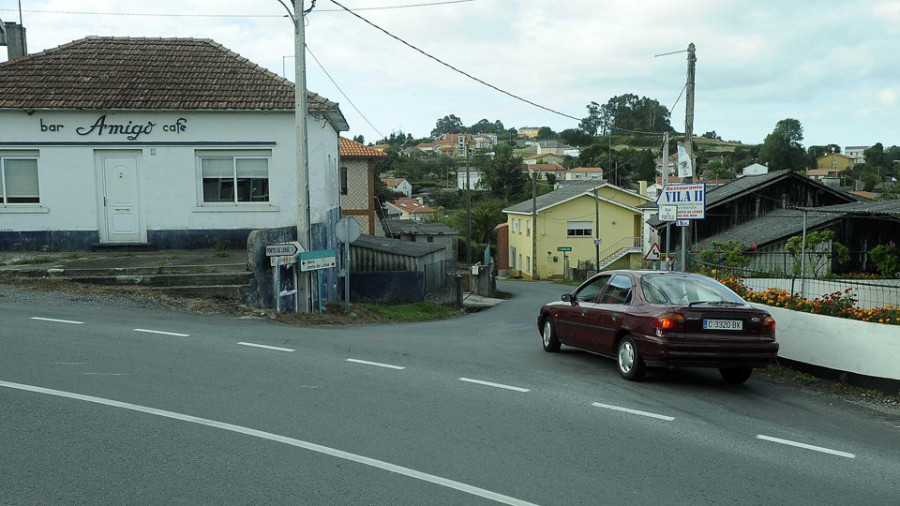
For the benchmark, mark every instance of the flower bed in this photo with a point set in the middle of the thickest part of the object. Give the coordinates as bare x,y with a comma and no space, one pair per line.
839,304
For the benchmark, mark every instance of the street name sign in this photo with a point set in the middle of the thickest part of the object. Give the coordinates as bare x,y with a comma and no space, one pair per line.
283,249
689,198
317,260
563,248
598,241
668,212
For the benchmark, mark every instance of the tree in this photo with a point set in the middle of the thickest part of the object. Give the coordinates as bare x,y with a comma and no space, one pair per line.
712,135
628,112
486,127
819,247
718,170
782,148
359,138
502,174
813,153
385,194
726,254
875,155
551,178
575,137
545,133
448,125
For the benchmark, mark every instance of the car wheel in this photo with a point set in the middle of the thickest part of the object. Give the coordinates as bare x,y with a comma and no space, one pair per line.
735,375
548,335
630,364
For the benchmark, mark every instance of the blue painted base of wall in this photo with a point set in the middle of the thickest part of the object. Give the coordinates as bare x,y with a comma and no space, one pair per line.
322,237
58,240
72,240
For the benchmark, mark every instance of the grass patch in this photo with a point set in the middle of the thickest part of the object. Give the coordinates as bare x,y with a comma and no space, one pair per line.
27,261
808,378
127,254
222,254
567,283
418,312
73,256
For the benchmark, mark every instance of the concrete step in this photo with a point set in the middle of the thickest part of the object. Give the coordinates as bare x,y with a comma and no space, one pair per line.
168,280
143,271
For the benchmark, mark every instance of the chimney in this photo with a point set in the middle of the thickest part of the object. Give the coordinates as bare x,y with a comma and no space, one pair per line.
12,35
643,187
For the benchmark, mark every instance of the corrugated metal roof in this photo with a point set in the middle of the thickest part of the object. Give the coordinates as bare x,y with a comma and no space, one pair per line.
395,246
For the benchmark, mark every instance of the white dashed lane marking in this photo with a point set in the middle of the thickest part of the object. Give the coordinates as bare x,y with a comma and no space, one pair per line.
297,443
160,332
376,364
634,411
263,346
806,446
495,385
73,322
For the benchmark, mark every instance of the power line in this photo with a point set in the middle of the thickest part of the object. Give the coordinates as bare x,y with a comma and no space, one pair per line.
308,50
165,15
451,67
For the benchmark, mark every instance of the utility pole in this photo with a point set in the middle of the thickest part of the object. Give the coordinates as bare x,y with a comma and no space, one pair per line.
468,208
300,114
534,269
596,229
665,181
688,139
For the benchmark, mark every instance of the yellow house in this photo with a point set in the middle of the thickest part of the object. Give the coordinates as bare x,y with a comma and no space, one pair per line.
570,219
834,162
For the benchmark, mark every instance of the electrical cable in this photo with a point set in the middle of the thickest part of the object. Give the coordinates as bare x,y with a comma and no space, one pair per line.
451,67
308,50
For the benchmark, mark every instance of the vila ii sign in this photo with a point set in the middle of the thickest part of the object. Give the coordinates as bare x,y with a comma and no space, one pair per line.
690,199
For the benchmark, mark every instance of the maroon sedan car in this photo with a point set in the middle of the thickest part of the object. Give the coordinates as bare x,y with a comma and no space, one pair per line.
662,319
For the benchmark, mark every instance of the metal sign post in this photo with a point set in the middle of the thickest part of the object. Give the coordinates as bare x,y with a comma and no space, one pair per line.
284,255
347,230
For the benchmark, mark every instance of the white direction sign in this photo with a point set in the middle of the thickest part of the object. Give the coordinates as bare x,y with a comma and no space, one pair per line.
689,198
283,249
668,212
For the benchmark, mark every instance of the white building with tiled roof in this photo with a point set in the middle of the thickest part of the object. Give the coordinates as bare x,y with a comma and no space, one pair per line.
161,142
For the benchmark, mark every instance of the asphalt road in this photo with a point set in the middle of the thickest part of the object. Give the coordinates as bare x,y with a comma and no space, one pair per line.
101,405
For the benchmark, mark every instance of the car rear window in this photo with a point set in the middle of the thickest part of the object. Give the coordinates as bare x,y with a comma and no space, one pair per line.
667,289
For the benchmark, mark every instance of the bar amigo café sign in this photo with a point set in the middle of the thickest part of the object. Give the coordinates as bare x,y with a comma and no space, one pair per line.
130,130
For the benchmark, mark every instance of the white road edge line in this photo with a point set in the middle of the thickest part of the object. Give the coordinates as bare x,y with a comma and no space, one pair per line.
634,411
55,320
379,464
495,385
376,364
806,446
160,332
276,348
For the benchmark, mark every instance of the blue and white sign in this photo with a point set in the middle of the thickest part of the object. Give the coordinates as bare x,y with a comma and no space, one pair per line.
690,198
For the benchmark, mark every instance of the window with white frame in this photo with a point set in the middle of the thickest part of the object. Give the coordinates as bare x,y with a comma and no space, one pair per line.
528,228
234,177
579,229
19,178
520,226
527,264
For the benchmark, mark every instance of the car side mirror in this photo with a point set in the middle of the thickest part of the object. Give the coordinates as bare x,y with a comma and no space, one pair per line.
566,297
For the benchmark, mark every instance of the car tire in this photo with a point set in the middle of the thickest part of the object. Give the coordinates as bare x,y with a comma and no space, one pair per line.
628,361
548,335
735,375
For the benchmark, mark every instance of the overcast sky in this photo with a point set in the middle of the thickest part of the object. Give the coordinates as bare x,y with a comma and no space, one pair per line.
830,64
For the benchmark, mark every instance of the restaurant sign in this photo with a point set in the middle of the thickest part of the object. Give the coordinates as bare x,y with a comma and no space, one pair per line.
130,130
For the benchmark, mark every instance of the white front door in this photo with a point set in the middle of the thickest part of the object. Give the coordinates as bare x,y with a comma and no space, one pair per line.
121,221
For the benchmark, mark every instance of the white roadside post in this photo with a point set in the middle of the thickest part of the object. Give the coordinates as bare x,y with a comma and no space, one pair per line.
347,230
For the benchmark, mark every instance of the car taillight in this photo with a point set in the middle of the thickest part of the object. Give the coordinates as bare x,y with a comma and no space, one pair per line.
768,324
669,321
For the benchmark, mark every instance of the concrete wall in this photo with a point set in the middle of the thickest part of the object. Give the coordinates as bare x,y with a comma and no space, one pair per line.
391,286
863,348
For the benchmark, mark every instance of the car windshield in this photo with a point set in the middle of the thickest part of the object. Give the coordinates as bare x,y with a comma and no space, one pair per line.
666,289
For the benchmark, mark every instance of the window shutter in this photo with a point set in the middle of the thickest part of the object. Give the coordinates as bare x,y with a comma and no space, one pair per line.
217,167
252,167
21,178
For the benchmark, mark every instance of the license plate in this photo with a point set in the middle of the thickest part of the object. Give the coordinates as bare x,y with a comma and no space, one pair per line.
723,324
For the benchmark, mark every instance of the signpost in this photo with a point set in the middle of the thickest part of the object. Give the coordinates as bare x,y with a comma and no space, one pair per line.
690,200
347,230
284,254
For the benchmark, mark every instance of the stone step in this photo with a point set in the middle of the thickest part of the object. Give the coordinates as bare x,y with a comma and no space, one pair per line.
168,280
142,271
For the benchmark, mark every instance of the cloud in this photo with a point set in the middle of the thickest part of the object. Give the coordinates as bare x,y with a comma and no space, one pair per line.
889,96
